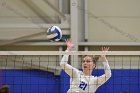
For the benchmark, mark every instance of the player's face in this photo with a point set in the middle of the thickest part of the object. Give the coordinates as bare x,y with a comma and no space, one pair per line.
88,63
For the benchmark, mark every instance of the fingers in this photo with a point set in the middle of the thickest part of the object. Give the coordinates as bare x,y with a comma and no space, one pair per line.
68,40
69,44
65,40
105,48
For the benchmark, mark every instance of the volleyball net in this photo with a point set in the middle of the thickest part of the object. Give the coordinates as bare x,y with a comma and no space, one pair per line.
39,71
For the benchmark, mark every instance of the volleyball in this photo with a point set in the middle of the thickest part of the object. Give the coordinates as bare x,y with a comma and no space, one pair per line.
54,33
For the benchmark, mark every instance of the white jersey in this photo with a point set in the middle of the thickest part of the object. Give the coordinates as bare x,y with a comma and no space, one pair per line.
79,83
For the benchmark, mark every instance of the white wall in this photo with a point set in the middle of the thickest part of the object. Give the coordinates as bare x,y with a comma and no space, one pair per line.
108,21
114,20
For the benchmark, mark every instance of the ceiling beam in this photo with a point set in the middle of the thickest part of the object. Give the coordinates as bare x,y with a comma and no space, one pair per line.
38,6
56,10
9,42
34,26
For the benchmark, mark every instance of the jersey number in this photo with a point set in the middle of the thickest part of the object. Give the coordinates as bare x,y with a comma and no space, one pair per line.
83,85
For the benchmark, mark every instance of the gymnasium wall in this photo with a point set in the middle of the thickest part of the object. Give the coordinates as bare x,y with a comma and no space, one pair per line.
27,11
113,20
108,21
30,81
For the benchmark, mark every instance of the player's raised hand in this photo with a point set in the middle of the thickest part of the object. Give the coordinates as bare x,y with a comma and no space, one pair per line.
69,44
104,52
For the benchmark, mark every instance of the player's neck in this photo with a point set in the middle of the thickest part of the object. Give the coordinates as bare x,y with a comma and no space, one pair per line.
87,73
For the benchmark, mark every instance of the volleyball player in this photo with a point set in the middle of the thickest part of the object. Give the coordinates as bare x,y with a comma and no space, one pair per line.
83,81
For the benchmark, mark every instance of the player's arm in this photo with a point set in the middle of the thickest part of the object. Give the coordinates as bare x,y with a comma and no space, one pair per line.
71,71
102,79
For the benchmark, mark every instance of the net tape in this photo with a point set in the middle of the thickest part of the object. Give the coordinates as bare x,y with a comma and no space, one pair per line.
69,53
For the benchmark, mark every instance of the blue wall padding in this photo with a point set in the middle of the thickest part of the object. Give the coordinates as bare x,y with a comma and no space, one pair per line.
37,81
31,81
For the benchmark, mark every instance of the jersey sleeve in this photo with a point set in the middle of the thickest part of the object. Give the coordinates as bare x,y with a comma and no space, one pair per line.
70,70
103,78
